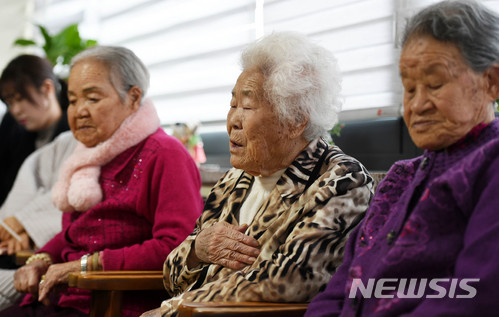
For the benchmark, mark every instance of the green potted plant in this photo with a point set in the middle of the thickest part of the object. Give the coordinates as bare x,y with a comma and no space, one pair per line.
59,48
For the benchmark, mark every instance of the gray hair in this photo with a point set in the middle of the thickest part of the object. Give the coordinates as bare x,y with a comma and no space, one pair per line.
469,25
301,80
125,68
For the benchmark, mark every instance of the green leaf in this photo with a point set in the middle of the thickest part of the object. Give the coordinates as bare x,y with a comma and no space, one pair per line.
47,47
62,46
336,131
24,42
45,33
71,36
46,36
89,43
71,43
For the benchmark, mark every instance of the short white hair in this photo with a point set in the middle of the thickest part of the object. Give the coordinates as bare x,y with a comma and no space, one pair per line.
301,80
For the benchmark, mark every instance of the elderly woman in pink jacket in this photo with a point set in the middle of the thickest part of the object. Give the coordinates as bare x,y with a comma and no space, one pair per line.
130,192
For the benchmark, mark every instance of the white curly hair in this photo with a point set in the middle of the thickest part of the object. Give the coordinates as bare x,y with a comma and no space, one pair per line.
301,80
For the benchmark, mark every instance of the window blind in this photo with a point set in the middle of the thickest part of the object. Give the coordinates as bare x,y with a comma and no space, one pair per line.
192,47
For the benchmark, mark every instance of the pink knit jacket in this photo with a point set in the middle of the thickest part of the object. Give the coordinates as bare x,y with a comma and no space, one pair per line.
151,200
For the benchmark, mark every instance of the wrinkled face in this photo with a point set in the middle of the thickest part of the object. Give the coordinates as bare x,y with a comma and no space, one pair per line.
95,109
257,143
34,116
443,97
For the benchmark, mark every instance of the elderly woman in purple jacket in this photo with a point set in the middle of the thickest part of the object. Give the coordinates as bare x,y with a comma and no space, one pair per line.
429,244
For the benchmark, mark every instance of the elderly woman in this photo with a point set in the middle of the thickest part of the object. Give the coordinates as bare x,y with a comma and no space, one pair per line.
429,244
130,192
274,226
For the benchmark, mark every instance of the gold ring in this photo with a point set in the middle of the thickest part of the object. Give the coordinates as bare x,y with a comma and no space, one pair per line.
42,279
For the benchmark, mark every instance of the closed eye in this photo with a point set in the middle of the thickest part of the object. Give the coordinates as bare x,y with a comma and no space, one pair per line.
410,91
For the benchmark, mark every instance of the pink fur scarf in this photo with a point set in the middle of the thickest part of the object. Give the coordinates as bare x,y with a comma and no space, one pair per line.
78,185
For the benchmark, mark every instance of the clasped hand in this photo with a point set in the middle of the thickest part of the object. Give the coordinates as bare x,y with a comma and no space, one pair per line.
28,279
227,245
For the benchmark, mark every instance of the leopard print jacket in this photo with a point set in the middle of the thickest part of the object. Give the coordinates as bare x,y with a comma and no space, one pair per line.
301,228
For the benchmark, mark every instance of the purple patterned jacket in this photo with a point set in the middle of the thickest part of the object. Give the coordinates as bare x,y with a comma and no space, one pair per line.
432,217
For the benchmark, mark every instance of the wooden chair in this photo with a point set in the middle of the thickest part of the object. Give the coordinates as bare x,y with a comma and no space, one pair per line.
108,287
243,309
22,256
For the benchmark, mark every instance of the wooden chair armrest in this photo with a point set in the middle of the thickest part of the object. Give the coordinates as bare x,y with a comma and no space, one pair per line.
222,309
108,287
22,256
118,280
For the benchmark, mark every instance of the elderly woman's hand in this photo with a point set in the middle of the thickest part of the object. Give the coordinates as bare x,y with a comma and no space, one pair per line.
27,278
56,275
227,245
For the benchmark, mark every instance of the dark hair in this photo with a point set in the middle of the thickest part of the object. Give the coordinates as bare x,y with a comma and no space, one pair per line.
26,70
469,25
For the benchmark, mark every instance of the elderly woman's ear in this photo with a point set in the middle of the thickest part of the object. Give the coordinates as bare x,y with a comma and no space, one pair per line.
134,97
296,129
493,81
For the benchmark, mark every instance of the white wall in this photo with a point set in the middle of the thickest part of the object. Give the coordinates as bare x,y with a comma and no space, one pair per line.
14,23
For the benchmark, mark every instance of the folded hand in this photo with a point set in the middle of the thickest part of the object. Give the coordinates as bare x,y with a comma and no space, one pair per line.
57,276
28,277
227,245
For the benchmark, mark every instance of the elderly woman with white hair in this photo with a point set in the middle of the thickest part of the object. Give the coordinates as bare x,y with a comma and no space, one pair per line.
129,192
274,226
